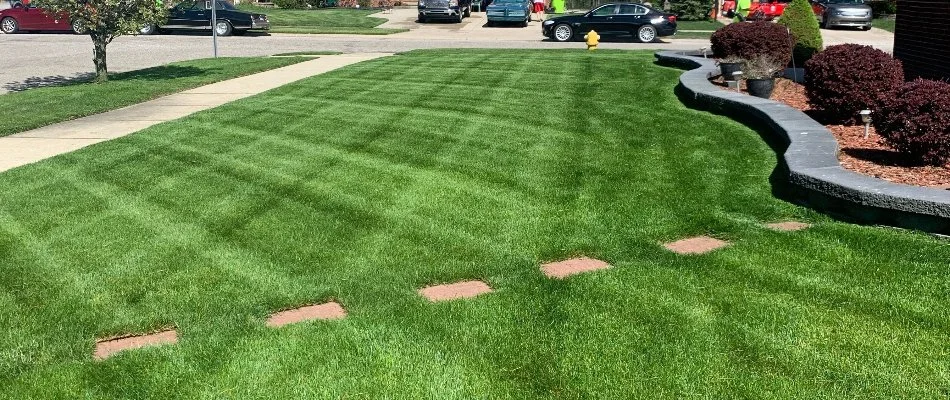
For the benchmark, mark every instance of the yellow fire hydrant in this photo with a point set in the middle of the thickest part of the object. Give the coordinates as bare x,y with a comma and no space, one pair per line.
592,40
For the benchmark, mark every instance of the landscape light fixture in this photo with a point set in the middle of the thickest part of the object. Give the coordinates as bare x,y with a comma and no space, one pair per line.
866,118
738,76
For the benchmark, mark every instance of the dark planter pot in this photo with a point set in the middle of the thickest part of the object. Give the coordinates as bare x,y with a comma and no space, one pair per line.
760,87
728,68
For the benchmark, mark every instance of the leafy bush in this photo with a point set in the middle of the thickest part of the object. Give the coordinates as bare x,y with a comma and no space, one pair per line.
292,4
847,78
748,40
800,20
691,10
883,7
915,120
347,3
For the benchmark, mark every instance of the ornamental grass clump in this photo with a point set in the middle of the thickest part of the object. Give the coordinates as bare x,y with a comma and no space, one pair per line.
844,79
750,40
915,120
800,21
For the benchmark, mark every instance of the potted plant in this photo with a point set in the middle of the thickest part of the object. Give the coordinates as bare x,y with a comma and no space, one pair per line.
760,73
728,65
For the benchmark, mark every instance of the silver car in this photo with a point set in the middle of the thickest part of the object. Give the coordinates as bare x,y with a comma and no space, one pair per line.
852,13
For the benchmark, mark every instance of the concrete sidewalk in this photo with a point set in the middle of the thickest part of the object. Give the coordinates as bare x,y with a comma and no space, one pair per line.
39,144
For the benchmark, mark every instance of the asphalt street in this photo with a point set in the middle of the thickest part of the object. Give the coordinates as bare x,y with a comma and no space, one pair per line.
32,60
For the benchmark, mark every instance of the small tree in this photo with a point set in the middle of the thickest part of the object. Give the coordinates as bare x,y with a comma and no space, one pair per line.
800,20
104,20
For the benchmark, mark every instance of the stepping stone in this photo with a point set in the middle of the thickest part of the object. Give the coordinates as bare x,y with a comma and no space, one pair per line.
325,311
563,269
695,245
106,348
788,226
452,291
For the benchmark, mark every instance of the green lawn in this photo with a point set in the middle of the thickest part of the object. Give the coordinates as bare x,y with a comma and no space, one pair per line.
698,25
341,21
366,183
707,28
38,107
886,24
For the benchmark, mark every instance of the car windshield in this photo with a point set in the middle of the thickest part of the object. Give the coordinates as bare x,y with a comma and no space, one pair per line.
223,5
508,2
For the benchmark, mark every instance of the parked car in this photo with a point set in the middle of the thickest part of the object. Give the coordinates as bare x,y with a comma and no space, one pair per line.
509,11
196,15
8,4
453,10
619,19
31,18
833,13
767,10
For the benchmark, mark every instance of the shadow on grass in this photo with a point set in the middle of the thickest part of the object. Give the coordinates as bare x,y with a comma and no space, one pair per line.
46,81
148,74
162,73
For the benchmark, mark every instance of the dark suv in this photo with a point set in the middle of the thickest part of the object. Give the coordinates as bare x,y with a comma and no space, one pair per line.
453,10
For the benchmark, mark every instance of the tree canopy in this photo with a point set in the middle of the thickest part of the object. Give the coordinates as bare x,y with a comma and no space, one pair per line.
104,20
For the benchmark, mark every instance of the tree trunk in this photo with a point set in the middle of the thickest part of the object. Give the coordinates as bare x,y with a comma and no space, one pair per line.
99,43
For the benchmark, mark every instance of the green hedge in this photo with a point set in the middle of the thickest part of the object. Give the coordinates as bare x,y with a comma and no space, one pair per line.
802,24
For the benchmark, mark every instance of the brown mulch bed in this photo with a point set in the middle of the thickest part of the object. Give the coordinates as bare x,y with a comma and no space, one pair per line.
865,156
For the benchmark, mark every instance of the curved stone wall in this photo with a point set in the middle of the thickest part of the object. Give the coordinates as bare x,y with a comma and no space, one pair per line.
810,157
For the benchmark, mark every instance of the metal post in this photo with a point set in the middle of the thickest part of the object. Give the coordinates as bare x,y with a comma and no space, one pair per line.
214,26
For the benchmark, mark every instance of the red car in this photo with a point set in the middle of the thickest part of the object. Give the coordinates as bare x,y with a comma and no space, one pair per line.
30,18
766,10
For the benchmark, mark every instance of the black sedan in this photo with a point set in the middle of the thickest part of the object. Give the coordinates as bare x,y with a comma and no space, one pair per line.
196,15
618,19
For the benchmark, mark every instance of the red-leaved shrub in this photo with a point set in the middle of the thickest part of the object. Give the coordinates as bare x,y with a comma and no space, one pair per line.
915,120
844,79
749,40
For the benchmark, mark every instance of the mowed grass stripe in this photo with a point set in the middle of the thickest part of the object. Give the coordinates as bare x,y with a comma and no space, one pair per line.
348,187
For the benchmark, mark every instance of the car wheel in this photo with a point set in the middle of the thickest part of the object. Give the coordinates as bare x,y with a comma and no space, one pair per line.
646,33
148,30
9,25
223,28
78,28
865,28
524,24
823,24
468,11
458,19
563,33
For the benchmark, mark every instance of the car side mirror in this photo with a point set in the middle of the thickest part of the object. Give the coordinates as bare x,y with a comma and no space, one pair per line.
208,4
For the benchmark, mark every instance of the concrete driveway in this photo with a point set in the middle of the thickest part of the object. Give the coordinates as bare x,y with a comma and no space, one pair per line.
32,60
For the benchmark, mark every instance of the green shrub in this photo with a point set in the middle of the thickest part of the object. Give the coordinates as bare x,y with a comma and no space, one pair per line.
691,10
292,4
883,7
801,22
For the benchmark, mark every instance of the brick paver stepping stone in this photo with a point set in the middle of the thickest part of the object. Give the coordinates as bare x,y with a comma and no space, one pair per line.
563,269
788,226
325,311
106,348
695,245
452,291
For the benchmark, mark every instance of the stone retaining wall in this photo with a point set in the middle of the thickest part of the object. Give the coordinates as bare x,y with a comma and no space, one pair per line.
809,157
